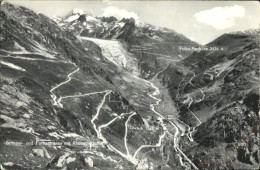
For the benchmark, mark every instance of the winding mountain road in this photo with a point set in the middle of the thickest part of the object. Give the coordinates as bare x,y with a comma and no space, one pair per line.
176,136
54,97
132,158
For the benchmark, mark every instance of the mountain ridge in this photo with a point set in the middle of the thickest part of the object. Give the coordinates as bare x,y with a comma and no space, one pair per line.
143,40
196,111
229,78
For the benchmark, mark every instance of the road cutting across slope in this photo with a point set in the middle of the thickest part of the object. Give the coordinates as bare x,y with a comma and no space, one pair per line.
133,158
54,97
126,131
177,134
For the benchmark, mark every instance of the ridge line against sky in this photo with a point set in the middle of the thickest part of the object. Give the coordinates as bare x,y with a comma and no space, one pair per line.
201,21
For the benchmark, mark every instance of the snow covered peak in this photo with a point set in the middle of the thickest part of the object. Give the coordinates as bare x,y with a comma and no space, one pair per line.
90,18
139,23
253,31
78,11
72,18
56,18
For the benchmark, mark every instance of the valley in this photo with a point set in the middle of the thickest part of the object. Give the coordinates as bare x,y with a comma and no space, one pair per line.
173,127
87,92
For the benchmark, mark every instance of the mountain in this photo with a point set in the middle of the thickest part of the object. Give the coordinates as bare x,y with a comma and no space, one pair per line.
87,92
220,85
153,47
248,32
53,89
70,101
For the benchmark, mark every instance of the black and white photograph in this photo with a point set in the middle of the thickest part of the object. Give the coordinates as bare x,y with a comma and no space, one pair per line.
130,85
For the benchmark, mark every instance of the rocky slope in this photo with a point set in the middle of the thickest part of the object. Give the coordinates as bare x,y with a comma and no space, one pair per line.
71,95
56,98
220,86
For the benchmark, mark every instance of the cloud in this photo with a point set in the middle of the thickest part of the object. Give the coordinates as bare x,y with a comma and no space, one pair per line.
107,1
221,17
119,13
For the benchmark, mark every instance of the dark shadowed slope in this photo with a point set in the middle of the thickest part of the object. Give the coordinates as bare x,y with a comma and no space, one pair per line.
222,89
52,89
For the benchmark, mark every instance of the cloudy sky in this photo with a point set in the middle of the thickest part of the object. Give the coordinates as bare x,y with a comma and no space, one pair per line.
201,21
